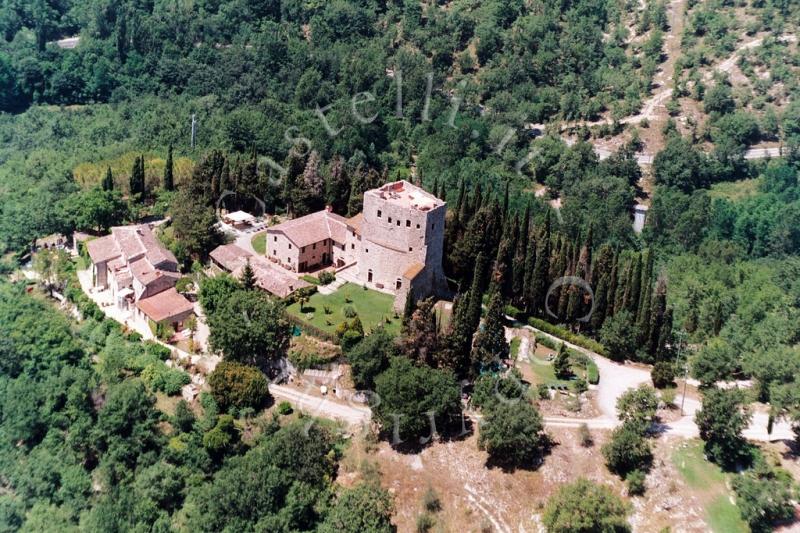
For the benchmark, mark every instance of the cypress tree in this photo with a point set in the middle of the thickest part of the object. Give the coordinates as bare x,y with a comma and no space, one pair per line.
108,181
505,202
600,303
248,279
137,185
611,293
632,302
561,363
586,253
528,276
541,268
664,337
518,271
357,188
169,181
490,342
408,309
659,307
462,191
337,187
623,284
465,321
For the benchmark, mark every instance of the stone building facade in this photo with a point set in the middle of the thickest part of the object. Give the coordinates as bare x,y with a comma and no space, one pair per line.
395,244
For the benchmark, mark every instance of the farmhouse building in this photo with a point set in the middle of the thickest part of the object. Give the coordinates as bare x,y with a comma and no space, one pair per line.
394,245
233,258
141,275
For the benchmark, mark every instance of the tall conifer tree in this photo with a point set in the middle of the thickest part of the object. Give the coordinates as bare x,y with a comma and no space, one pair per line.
169,179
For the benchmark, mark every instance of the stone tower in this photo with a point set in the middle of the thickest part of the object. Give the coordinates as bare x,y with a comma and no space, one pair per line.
402,241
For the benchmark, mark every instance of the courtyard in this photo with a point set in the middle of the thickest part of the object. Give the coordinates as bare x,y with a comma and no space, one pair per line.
326,311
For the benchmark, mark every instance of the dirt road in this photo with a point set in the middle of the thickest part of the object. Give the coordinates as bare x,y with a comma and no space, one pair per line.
322,407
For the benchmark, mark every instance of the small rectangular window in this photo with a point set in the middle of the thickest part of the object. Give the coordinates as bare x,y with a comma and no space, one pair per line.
275,238
352,246
398,222
379,213
290,246
274,252
433,226
366,250
314,246
390,220
303,249
417,226
408,223
410,249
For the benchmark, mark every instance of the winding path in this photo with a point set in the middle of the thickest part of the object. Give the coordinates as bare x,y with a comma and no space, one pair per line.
616,378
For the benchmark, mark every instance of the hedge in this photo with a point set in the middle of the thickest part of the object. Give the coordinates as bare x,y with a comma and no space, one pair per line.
568,336
314,280
311,328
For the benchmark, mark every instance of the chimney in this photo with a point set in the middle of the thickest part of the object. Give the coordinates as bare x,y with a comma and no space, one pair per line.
329,208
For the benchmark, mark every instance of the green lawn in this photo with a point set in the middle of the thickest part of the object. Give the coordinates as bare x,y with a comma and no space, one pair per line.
373,308
708,480
735,190
259,242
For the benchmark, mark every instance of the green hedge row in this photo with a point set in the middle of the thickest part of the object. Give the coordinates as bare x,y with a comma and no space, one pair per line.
311,328
568,336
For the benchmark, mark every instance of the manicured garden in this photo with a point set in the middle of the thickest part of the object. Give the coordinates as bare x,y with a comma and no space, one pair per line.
328,311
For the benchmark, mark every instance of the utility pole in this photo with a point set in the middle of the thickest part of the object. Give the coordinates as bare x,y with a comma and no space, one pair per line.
194,129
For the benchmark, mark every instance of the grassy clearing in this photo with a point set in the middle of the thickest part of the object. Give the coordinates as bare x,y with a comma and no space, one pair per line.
709,482
735,190
259,242
374,308
515,342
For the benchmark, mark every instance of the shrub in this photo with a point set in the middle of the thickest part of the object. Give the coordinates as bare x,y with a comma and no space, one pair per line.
596,506
314,280
162,378
585,436
284,408
668,397
326,277
628,450
425,523
512,311
235,385
567,335
431,502
157,350
543,391
663,374
635,482
349,311
184,284
580,386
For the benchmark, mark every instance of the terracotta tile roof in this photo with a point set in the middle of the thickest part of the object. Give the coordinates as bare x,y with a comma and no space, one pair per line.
355,222
230,256
273,280
413,270
313,228
165,305
143,271
137,241
102,249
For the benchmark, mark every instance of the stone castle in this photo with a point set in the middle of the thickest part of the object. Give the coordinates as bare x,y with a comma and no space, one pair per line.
395,244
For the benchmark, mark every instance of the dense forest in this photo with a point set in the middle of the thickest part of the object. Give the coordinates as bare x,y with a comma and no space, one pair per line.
85,447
